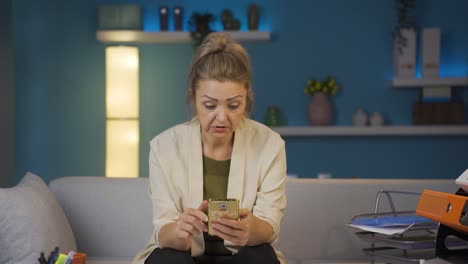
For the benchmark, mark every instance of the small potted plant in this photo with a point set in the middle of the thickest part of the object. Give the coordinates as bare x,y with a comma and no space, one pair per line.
328,86
406,21
404,36
320,107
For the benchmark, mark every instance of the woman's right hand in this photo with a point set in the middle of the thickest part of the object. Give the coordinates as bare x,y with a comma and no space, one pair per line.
178,234
192,222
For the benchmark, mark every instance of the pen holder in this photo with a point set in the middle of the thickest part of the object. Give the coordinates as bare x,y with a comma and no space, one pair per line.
79,258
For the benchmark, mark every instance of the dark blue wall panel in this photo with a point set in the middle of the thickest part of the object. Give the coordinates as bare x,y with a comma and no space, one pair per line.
60,84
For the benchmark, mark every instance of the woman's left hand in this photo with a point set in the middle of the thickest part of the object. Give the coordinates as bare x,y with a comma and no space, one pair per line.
236,231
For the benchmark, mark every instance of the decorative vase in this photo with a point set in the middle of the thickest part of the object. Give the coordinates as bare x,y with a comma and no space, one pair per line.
253,16
273,116
320,110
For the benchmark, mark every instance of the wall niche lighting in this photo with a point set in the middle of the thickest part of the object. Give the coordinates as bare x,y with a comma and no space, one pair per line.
122,111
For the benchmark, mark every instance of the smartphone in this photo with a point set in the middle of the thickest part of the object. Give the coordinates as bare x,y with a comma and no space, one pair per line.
225,208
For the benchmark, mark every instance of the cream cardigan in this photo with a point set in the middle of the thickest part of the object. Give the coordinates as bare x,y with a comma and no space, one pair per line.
256,177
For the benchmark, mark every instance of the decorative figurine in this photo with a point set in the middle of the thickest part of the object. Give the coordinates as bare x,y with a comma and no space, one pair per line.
360,117
163,18
229,21
177,12
226,18
253,16
376,119
200,27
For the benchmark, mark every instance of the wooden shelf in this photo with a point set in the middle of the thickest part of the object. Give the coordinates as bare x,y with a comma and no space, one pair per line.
138,36
305,131
418,83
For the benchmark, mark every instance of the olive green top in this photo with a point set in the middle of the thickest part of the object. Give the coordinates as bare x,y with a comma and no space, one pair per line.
215,178
215,183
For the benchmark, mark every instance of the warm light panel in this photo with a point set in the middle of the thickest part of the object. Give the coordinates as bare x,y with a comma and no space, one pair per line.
122,140
122,98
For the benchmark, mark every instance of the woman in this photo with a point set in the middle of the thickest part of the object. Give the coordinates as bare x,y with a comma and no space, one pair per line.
220,153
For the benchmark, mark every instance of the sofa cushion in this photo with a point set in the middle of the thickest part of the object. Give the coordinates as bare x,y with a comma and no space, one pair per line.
111,217
31,222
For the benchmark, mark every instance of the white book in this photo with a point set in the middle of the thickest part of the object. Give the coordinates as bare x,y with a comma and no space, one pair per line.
430,48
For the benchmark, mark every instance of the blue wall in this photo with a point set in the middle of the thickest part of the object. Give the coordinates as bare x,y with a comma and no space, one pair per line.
60,84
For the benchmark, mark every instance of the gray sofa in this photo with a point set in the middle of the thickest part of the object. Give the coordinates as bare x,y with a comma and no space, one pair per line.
111,218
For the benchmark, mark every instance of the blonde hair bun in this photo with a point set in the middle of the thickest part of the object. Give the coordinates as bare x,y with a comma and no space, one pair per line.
215,42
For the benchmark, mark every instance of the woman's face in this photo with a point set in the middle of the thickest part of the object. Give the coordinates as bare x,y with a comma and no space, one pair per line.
220,107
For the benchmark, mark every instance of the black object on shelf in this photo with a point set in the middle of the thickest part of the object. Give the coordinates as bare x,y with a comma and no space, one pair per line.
438,113
200,27
163,18
253,16
177,13
229,21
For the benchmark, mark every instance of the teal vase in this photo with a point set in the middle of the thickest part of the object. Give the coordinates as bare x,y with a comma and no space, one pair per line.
273,116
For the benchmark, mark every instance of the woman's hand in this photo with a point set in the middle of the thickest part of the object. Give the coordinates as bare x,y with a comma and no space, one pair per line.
192,222
249,230
178,235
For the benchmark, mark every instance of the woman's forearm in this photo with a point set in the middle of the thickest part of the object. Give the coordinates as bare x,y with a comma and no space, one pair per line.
261,232
167,239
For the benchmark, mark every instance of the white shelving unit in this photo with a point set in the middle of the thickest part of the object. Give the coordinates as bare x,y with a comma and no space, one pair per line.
307,131
138,36
419,83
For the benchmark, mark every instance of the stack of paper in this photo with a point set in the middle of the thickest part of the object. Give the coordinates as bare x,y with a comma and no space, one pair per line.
390,225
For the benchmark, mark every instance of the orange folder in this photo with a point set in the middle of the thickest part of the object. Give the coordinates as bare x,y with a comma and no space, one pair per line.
445,208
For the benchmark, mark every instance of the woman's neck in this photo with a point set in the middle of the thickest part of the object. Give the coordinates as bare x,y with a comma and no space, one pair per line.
217,149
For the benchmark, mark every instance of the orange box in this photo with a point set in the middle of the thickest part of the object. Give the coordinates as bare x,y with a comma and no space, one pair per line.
79,258
444,208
